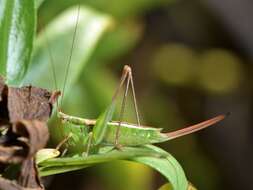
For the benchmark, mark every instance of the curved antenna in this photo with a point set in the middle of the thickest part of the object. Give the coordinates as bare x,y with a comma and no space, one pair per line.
70,56
51,60
52,67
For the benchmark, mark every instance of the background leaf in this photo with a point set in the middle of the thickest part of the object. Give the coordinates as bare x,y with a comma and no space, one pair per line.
38,3
118,9
57,40
17,29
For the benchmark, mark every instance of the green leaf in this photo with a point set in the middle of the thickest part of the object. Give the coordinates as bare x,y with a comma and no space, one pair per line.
17,29
167,166
118,42
38,3
149,155
106,154
56,40
129,8
101,123
46,171
118,9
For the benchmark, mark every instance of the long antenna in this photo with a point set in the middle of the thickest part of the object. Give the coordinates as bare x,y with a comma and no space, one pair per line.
51,59
51,62
70,56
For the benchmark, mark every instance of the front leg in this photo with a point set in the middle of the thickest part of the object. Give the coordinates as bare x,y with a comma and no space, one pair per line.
89,145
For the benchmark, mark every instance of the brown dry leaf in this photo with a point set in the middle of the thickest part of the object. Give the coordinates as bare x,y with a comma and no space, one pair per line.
11,154
24,139
34,134
29,175
24,112
29,103
6,184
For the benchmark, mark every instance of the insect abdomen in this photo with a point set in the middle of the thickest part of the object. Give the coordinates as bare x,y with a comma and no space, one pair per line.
133,135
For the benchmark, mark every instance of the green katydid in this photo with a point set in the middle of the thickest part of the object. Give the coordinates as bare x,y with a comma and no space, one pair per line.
104,132
95,135
117,133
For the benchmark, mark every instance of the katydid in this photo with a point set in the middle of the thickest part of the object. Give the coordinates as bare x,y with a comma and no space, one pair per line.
117,133
98,137
104,132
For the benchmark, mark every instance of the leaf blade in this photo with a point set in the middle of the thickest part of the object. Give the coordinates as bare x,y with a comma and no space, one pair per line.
149,155
167,166
17,30
57,39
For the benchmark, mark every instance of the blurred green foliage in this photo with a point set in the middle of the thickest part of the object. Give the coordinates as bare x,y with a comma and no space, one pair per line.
215,71
118,9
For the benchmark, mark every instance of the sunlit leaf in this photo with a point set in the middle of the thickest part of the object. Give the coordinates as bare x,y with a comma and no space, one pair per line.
38,3
17,28
123,37
57,41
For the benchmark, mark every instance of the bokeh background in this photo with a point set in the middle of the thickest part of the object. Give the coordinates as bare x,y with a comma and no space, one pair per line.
191,60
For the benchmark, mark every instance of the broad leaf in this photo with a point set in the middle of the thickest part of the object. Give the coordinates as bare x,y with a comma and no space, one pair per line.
56,40
149,155
167,166
38,3
106,154
17,29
